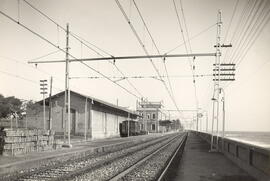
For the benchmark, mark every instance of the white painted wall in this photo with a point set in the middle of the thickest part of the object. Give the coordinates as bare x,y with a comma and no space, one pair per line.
97,125
105,125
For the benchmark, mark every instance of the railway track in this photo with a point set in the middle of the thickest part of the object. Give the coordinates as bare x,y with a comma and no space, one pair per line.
88,168
155,166
148,164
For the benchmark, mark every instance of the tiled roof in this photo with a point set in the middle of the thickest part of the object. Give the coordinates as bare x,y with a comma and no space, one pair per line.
94,99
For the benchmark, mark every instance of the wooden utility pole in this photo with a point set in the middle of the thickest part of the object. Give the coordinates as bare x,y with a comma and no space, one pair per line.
144,115
206,121
197,121
117,126
43,89
128,124
44,113
50,111
85,119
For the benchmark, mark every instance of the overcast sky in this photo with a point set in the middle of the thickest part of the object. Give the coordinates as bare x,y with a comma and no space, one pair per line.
102,23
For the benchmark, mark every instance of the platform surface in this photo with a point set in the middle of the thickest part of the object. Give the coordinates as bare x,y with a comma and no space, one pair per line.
198,164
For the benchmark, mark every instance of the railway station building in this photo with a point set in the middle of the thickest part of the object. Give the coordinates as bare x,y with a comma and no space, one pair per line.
150,115
90,117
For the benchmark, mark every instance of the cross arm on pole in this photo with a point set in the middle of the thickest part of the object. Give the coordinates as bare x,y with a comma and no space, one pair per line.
128,57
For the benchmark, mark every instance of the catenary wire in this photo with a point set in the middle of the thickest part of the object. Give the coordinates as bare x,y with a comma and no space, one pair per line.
264,22
238,27
85,43
191,64
43,38
155,45
144,49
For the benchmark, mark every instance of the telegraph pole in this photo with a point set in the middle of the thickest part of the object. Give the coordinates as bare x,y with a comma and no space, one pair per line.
201,124
206,122
50,111
128,125
157,123
144,114
117,117
85,119
43,89
197,121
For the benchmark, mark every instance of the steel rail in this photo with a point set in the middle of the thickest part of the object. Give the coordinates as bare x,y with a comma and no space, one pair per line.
78,171
25,174
128,170
165,170
127,57
20,175
81,171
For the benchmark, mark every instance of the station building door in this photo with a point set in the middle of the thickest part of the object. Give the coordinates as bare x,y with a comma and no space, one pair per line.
153,126
72,121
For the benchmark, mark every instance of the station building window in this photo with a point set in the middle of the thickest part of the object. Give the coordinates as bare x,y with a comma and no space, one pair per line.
153,116
148,116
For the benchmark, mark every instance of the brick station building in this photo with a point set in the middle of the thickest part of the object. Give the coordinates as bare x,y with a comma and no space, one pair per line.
150,115
90,116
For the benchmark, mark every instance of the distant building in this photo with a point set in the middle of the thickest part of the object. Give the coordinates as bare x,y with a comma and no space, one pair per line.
165,125
150,114
90,116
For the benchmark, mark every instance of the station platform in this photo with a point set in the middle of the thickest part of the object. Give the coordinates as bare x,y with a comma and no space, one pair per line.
9,164
198,164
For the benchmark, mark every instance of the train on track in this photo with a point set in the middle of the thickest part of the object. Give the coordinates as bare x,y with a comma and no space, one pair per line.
130,128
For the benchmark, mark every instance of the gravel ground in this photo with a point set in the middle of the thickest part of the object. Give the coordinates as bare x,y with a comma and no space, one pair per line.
89,163
111,169
54,162
152,168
